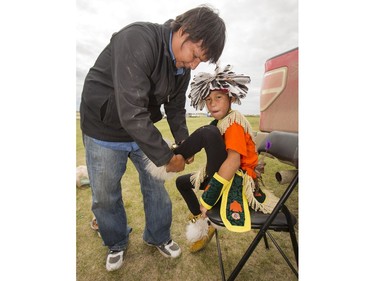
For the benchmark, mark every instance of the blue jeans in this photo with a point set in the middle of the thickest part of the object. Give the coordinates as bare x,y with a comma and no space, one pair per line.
105,168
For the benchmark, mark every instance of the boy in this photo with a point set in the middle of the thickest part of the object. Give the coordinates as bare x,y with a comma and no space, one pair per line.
231,158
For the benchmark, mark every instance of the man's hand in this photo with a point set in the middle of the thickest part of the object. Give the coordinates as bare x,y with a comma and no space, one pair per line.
176,164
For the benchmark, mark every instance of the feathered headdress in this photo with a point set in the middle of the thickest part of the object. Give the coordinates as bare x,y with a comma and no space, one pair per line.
203,83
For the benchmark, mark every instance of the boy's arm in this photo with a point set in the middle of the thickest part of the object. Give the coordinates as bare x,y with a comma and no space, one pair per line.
230,165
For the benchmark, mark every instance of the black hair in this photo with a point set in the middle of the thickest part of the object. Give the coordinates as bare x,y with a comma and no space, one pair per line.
203,23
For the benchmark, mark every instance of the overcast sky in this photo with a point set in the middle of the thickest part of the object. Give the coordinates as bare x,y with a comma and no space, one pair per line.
256,31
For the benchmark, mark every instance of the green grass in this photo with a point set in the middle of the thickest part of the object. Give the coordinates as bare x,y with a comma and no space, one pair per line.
146,263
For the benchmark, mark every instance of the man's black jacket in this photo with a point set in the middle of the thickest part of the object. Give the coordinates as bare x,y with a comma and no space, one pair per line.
124,90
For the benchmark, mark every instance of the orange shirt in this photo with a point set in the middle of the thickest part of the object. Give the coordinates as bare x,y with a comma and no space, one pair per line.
236,139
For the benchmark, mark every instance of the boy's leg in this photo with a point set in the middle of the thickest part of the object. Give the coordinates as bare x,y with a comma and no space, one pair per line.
186,189
198,231
209,138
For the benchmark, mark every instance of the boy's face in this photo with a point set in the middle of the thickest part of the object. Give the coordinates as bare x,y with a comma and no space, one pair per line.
218,104
187,53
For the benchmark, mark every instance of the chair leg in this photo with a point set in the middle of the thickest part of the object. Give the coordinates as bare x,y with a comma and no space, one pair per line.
283,254
266,242
219,254
292,233
264,228
294,243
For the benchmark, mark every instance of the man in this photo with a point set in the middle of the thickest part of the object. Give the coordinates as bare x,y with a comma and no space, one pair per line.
144,66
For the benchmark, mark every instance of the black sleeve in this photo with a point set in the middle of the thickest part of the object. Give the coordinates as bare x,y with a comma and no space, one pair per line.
133,58
176,112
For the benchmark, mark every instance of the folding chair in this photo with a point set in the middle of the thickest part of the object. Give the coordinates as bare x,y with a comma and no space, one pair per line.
284,147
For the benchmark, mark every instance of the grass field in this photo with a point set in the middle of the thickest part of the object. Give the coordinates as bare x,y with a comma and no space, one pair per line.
145,263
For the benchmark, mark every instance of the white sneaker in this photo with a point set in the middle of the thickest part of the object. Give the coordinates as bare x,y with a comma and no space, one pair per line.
169,249
115,259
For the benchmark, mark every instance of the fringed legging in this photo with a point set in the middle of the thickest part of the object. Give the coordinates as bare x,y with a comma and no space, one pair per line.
209,138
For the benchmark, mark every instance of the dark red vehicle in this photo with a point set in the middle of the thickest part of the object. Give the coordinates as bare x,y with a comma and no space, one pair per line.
279,94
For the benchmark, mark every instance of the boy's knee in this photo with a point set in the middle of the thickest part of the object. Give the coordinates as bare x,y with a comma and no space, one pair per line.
183,182
211,133
211,129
